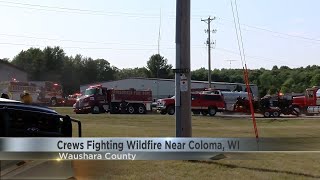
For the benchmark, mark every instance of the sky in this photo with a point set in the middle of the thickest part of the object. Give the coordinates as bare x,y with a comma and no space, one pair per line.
126,32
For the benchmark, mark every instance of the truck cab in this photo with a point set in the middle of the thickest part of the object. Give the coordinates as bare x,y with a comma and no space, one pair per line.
201,102
310,102
93,101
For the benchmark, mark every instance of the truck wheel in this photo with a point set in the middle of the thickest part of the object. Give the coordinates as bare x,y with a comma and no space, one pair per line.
130,109
309,114
163,112
296,111
53,102
171,110
114,109
204,113
95,110
266,114
196,112
141,109
276,114
212,111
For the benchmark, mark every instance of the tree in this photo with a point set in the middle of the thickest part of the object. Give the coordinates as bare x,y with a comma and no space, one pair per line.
158,67
32,61
132,72
315,80
5,59
104,70
200,74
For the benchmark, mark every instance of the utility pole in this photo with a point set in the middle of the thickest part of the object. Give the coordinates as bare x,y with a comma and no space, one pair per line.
182,71
159,36
208,43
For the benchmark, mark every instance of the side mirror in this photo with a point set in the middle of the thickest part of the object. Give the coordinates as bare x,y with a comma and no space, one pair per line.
66,127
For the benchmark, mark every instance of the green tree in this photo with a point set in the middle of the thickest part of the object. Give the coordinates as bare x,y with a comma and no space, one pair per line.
132,72
32,61
200,74
315,80
158,67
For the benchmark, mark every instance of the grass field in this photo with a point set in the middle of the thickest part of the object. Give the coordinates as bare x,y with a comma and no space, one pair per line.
258,166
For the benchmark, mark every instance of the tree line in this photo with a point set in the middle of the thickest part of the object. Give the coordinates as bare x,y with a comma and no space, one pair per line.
52,64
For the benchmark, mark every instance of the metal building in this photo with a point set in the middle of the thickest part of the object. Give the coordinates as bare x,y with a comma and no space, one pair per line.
9,72
162,88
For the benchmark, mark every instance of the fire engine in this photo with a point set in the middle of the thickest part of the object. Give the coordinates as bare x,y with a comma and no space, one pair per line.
49,92
42,92
98,99
201,102
308,104
15,88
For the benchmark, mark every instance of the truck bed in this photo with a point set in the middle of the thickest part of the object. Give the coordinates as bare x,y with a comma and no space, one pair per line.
131,95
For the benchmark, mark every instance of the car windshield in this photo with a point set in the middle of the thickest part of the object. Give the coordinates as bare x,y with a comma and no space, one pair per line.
90,91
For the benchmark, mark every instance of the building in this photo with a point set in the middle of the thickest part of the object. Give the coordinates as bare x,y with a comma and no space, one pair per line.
9,72
162,88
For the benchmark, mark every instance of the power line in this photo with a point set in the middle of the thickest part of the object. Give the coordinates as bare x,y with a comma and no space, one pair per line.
75,41
76,47
69,9
135,44
137,15
97,12
83,11
151,49
240,33
73,10
275,32
235,26
256,57
246,76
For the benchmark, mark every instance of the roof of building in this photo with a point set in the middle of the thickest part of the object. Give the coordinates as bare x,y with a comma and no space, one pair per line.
12,65
161,79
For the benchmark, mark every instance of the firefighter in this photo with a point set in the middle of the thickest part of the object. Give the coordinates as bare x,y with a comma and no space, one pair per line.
5,96
26,97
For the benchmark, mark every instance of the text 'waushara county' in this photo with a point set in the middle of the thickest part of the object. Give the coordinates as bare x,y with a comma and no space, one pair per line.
94,156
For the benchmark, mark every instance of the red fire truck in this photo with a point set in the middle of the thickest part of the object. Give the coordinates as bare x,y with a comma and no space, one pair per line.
49,92
42,92
98,99
201,102
308,104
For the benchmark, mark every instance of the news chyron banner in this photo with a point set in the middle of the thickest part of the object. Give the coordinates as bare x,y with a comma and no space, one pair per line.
146,148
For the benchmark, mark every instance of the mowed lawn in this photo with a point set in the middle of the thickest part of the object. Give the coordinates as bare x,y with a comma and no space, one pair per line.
255,166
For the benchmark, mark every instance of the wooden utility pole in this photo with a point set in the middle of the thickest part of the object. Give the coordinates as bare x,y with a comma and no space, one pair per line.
208,42
182,71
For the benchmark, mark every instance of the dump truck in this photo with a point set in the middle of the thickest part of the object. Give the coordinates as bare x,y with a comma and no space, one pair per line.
97,99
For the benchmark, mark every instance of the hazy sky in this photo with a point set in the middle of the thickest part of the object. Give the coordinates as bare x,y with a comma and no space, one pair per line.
125,32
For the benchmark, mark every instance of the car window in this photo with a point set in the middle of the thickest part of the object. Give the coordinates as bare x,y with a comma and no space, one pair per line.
318,93
194,97
212,97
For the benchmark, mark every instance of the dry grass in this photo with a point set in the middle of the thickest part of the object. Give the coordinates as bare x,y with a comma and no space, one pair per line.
254,166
